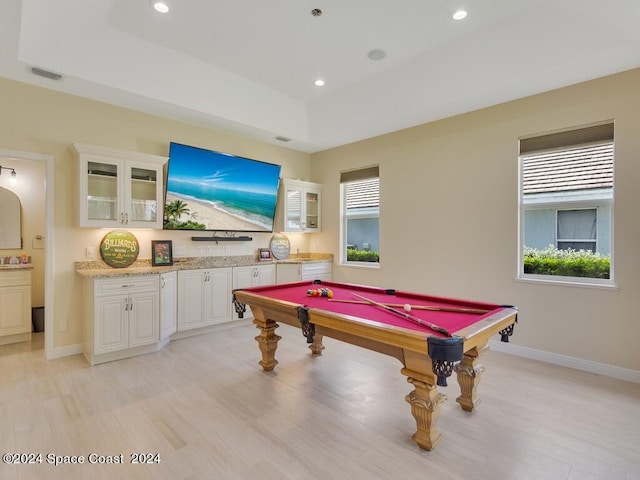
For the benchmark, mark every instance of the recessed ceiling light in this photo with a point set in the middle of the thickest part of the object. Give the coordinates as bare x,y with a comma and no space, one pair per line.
459,14
319,82
376,54
162,7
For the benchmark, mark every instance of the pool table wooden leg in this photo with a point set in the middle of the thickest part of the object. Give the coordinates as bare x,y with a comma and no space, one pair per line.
469,372
316,347
425,403
425,399
267,342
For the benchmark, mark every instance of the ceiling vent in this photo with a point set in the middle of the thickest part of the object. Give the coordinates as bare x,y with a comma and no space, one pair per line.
46,74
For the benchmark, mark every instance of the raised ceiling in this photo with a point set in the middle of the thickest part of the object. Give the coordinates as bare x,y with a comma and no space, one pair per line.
249,66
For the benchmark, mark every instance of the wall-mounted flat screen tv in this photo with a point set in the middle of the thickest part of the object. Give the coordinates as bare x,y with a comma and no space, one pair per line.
209,190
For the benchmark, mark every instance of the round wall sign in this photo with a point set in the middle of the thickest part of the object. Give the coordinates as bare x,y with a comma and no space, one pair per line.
280,246
119,248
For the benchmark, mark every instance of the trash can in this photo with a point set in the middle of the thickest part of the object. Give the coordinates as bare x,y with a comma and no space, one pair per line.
37,318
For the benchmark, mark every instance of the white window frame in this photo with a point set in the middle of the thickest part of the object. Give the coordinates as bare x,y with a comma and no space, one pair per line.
570,202
344,225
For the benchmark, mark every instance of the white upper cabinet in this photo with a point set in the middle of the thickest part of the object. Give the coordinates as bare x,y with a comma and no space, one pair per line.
119,188
300,206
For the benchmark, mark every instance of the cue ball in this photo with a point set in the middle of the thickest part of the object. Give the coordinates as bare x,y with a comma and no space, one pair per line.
407,307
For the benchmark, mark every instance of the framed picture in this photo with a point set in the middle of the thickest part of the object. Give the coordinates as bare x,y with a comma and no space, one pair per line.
161,253
264,254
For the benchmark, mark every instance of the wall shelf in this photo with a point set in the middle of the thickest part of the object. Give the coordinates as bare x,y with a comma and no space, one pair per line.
222,239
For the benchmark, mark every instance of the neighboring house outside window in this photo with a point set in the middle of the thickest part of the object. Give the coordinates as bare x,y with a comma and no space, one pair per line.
567,203
577,229
360,216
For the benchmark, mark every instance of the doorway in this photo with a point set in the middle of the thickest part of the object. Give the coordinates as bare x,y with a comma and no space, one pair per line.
39,244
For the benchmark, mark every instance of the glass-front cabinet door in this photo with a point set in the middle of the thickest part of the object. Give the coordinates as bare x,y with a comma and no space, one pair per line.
144,196
102,191
301,211
312,209
293,209
119,188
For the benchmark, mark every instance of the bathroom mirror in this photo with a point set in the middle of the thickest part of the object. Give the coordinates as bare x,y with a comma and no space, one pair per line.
10,233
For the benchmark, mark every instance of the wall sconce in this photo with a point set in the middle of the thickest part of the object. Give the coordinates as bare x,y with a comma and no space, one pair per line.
13,179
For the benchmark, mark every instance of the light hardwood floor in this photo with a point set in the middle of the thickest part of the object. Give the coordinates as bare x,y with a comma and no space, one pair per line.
210,412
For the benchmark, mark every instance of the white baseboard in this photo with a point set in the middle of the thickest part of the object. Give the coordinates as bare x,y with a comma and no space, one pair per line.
69,350
612,371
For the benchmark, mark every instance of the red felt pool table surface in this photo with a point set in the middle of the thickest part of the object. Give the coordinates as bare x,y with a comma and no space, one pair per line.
296,293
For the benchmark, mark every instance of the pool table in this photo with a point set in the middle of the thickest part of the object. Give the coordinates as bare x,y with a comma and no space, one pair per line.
431,336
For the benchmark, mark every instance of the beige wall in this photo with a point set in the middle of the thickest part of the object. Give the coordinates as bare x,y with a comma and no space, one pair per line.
449,204
41,121
449,216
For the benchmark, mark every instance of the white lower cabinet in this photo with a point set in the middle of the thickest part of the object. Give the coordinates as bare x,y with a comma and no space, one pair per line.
168,304
121,317
130,315
297,272
288,272
252,276
15,306
204,297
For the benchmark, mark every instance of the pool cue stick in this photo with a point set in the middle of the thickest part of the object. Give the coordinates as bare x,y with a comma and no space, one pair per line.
406,316
421,307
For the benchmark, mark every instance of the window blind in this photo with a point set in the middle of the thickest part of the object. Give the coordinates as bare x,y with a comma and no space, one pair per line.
360,174
568,138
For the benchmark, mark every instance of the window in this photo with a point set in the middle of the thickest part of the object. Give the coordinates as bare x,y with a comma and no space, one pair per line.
360,233
566,204
577,229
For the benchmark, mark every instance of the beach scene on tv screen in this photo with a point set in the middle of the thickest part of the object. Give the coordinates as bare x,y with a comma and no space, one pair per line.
208,190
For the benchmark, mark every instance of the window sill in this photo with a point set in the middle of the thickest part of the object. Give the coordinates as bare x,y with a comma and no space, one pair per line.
566,282
375,265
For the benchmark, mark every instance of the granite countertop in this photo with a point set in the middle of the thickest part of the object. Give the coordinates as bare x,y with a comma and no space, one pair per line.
99,269
307,257
18,266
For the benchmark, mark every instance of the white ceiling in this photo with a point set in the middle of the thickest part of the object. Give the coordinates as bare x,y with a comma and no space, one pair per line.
248,66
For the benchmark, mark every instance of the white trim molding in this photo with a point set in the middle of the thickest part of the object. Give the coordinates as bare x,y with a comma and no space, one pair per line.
612,371
69,350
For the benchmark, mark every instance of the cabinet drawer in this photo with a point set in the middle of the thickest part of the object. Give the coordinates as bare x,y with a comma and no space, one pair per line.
316,271
142,283
315,268
10,278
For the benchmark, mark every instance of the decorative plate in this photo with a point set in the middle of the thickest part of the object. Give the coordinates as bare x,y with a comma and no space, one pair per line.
119,248
280,246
